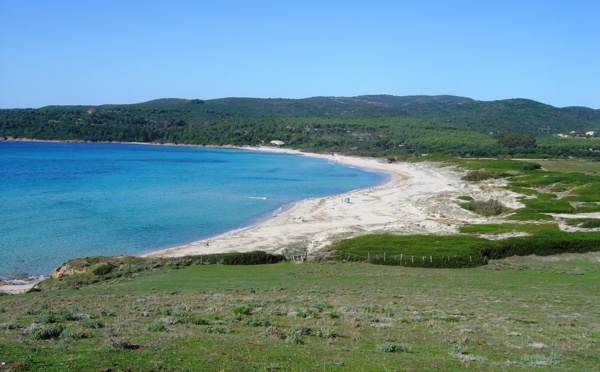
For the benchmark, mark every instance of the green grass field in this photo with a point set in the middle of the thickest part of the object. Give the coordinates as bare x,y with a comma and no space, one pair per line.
316,317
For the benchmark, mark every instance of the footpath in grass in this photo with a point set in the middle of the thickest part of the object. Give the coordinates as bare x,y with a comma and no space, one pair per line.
521,313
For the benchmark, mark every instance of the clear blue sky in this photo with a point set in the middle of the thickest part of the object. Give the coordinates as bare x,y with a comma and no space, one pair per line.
55,52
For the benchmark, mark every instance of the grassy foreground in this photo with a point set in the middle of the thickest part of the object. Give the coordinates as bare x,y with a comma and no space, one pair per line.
522,313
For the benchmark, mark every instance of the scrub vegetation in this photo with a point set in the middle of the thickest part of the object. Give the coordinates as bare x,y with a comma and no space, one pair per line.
378,125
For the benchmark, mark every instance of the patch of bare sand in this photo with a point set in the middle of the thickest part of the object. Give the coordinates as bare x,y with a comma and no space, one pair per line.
16,288
417,199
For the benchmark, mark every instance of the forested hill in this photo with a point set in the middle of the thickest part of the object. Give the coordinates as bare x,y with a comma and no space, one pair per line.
372,124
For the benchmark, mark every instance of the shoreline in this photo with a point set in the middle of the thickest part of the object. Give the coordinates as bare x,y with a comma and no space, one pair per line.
416,198
285,209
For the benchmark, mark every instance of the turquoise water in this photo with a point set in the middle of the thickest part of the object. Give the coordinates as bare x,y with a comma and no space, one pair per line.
64,200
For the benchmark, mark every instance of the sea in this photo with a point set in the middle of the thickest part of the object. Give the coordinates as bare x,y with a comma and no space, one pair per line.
66,200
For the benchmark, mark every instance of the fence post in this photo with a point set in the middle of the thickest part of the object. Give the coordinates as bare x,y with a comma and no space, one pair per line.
383,256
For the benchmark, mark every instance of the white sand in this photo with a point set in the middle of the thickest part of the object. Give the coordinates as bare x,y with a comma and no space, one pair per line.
16,288
417,199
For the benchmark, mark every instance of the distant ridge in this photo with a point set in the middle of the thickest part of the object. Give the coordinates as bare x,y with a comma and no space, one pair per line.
368,124
517,114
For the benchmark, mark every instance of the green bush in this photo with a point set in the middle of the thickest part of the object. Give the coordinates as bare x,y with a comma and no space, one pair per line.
322,332
393,348
213,329
245,258
242,310
252,258
103,269
548,203
92,324
8,325
45,332
200,321
462,251
70,334
258,322
155,327
590,224
487,208
480,175
55,317
546,243
414,250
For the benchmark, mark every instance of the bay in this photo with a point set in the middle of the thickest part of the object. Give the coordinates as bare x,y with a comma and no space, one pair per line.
66,200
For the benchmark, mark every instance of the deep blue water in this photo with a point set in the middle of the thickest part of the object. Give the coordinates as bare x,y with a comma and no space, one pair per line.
64,200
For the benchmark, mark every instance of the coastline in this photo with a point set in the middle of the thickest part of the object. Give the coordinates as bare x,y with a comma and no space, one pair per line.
417,198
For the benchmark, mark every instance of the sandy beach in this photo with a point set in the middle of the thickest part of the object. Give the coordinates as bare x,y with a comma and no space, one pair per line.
418,198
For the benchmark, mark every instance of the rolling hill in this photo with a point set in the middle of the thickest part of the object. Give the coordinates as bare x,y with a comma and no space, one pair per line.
369,124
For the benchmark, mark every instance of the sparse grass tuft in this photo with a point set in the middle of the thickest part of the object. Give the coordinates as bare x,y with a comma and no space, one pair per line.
393,348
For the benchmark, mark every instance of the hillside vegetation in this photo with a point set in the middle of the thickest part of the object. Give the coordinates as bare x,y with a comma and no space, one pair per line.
366,125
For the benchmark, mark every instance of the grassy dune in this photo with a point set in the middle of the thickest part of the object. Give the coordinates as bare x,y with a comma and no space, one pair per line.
315,316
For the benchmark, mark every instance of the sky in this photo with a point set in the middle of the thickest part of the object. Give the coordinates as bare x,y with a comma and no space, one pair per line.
124,51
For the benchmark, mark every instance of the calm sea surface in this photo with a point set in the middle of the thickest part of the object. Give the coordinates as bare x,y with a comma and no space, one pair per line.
63,200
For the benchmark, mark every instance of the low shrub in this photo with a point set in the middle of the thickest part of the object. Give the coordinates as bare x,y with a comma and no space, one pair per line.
590,224
200,321
480,175
213,329
258,322
252,258
8,325
487,208
545,243
242,310
92,324
323,332
71,334
463,251
46,332
393,348
103,269
274,332
156,327
55,317
548,203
